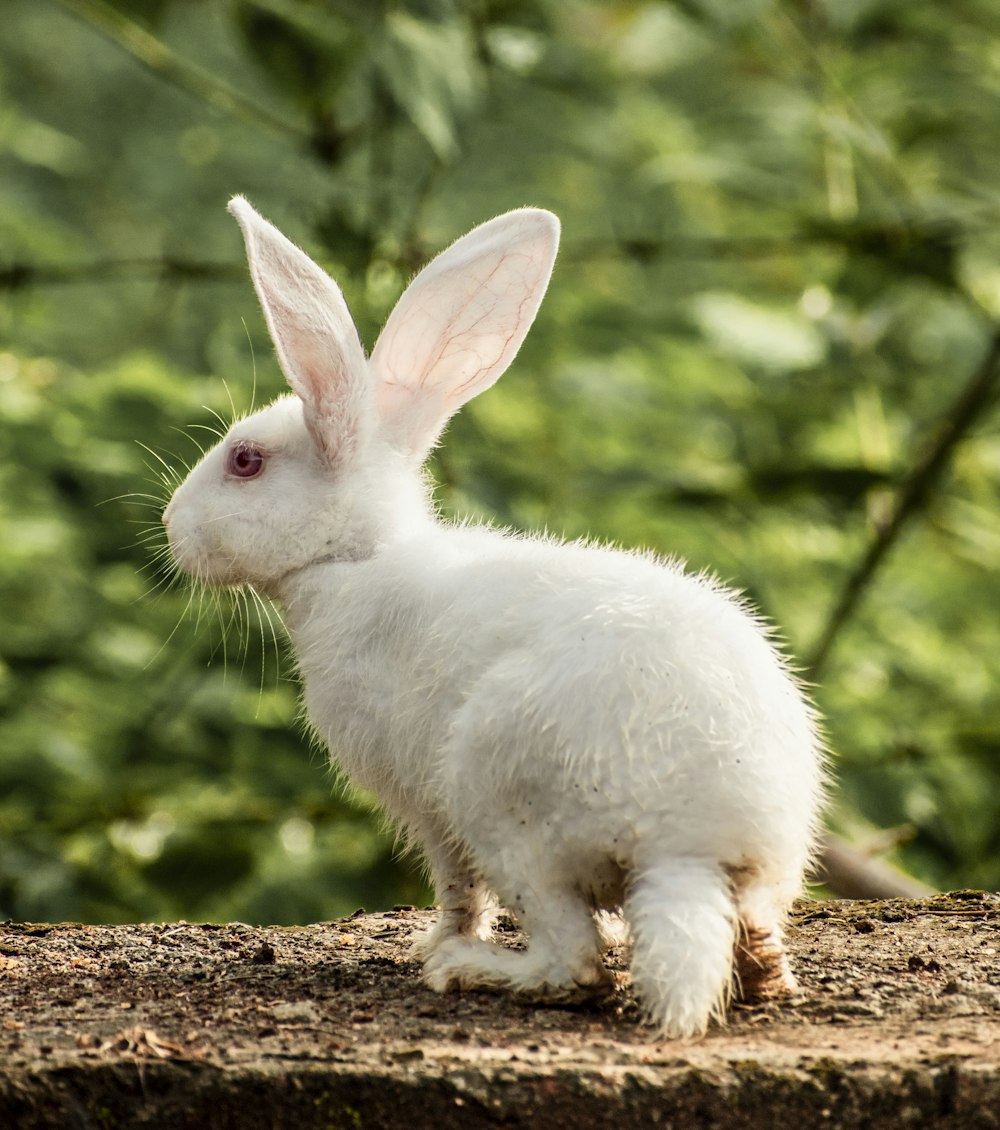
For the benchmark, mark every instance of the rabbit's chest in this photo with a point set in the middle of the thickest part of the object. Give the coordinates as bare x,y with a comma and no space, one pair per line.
381,708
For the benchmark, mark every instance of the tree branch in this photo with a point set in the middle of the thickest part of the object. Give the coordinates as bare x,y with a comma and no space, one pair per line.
910,249
20,276
849,872
971,403
23,276
157,57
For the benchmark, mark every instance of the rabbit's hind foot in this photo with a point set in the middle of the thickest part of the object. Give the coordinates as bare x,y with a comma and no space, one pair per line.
762,969
536,973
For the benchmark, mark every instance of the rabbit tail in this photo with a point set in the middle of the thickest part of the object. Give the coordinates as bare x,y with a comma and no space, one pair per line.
684,924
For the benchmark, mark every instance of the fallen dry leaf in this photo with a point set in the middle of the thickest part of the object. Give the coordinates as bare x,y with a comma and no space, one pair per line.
140,1041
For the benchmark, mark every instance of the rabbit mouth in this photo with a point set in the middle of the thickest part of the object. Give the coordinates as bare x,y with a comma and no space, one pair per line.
190,558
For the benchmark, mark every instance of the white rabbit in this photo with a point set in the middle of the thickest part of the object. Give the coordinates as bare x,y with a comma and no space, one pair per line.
562,729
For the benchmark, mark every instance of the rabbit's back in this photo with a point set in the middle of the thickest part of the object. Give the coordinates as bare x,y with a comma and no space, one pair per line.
641,706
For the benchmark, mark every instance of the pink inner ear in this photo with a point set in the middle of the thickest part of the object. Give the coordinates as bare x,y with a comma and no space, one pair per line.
315,374
314,335
460,323
330,406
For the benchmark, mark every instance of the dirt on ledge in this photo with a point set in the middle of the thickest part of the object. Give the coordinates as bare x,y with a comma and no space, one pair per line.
897,1024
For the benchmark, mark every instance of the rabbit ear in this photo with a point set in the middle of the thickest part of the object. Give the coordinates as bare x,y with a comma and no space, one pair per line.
460,323
312,329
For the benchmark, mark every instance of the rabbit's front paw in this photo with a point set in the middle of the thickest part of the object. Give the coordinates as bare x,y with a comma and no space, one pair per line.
461,963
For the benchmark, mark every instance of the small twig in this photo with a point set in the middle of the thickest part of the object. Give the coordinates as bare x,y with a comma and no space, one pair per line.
157,57
971,403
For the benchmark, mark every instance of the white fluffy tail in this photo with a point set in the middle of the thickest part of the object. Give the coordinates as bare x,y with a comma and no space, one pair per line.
684,924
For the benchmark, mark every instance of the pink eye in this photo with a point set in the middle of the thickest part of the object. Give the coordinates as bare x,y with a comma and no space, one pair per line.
244,461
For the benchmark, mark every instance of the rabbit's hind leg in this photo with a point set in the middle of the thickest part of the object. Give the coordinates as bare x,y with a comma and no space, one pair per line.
562,958
762,969
681,915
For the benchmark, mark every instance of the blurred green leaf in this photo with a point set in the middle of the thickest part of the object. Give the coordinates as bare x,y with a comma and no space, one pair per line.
779,263
432,72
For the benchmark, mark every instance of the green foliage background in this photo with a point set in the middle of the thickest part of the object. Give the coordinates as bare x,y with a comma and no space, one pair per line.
781,266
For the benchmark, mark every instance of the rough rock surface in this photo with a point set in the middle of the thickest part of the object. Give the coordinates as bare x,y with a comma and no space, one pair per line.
897,1024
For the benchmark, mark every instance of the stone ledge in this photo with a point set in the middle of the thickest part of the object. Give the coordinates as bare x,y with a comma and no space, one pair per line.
897,1025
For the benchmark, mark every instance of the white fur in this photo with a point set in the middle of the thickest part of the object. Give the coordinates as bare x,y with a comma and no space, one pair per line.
563,729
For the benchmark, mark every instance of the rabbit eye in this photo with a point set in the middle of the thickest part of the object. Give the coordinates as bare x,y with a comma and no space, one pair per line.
244,461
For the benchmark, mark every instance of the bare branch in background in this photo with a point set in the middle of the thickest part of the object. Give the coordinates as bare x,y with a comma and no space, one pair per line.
24,276
157,57
639,249
974,400
850,872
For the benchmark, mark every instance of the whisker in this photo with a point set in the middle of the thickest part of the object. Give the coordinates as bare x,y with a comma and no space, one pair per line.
152,537
158,588
210,428
171,472
224,424
186,433
158,563
227,622
163,475
264,609
240,618
223,517
253,367
139,498
150,541
234,415
192,592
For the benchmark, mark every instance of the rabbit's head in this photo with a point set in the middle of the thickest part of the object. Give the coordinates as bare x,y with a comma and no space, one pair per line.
332,472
